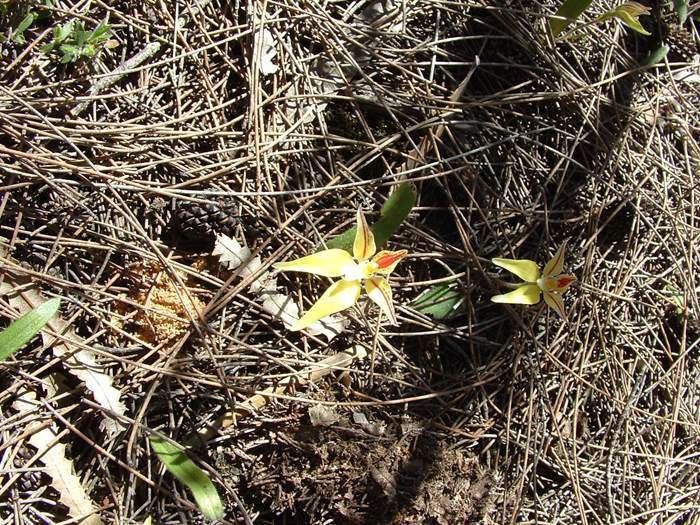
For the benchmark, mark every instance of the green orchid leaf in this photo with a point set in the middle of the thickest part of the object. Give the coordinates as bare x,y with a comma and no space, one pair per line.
681,7
442,301
18,34
394,212
19,333
190,475
656,56
567,13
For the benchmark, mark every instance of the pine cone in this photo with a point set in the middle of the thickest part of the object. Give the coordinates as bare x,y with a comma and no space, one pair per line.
200,222
681,45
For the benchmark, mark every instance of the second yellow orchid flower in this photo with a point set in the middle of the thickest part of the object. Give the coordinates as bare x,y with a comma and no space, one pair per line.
364,265
551,283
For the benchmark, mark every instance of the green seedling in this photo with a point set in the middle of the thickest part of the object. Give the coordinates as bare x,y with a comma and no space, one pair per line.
23,330
13,12
193,477
75,43
678,301
628,13
566,14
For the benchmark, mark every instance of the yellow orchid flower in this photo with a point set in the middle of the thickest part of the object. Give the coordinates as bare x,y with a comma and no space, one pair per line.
551,283
362,265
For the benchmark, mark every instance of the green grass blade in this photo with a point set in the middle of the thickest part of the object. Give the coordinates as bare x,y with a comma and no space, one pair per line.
394,212
19,333
567,13
193,477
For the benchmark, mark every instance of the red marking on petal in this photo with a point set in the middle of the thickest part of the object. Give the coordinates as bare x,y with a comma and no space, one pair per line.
387,260
564,281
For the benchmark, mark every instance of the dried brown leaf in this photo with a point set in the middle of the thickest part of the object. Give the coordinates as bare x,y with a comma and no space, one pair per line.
58,466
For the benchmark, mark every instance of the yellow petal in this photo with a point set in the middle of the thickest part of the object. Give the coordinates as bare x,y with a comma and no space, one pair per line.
363,248
556,264
327,263
526,294
386,261
524,268
339,296
554,301
380,292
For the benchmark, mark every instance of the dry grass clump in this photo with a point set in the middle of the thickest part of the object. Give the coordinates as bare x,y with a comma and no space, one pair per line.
525,418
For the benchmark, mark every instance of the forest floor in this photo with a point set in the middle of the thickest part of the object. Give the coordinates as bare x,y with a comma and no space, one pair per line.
271,122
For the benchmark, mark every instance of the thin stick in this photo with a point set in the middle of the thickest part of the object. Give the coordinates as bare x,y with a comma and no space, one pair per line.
120,72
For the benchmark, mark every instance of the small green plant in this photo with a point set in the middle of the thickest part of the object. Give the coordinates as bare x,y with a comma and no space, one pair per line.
19,333
678,301
628,13
567,13
23,15
74,42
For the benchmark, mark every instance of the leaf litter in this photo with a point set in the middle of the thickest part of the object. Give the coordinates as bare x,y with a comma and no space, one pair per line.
70,348
513,142
234,256
52,453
